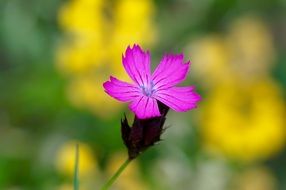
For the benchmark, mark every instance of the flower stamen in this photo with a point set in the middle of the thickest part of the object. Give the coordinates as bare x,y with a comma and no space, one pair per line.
148,90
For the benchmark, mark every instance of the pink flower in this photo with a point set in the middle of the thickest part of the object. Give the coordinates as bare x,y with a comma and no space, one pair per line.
147,89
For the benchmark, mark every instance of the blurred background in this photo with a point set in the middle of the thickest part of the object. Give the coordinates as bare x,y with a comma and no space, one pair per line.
54,56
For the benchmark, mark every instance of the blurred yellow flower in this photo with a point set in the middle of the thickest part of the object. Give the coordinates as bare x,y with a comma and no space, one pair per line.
130,178
65,160
88,92
246,51
244,110
96,34
211,58
251,47
244,121
82,17
255,179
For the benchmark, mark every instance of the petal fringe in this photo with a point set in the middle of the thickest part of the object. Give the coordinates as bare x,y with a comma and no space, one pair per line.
180,99
120,90
137,64
170,71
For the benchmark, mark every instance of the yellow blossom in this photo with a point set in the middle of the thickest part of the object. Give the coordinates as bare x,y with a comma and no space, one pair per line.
88,92
82,17
244,121
258,178
251,47
246,51
211,58
65,160
96,34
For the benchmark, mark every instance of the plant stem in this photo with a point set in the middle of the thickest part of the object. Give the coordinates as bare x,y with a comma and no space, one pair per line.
116,175
75,179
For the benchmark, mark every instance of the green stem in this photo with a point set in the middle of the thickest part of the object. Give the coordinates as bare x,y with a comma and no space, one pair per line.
116,175
75,178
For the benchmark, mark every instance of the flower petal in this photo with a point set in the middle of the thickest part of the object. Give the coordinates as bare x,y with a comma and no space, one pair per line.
178,98
137,64
145,107
120,90
170,71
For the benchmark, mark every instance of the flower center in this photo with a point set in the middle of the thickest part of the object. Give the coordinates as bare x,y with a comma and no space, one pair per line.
148,90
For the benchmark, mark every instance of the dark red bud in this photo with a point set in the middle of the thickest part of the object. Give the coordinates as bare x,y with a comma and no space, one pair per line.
144,133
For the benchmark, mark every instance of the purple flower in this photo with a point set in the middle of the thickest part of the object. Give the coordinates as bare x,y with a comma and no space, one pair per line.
147,89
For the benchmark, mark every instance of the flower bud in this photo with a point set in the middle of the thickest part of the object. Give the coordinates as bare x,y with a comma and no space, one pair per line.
144,133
